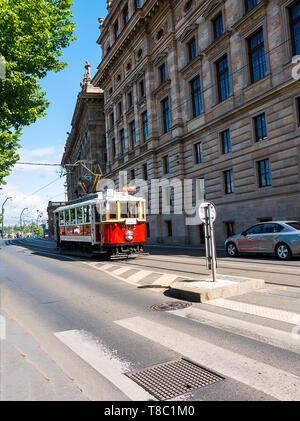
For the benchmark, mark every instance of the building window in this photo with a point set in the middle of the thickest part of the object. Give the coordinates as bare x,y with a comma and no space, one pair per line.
169,228
163,73
137,4
166,162
147,229
295,27
192,49
258,67
145,126
249,4
122,141
264,173
132,174
132,134
142,88
218,26
260,128
223,78
198,153
113,145
112,120
160,34
129,100
145,172
228,178
225,141
196,96
188,6
298,111
166,115
120,109
116,30
125,15
229,229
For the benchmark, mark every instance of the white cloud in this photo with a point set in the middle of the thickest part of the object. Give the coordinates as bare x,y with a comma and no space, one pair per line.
20,200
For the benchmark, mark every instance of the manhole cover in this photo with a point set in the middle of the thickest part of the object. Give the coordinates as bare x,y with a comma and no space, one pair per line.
173,378
177,305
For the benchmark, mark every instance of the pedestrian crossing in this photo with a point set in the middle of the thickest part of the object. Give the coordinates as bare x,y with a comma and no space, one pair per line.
136,276
257,374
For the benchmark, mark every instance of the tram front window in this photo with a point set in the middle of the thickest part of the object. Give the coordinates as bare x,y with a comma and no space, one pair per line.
129,210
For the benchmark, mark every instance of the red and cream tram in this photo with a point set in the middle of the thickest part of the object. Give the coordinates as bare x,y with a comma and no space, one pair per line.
111,223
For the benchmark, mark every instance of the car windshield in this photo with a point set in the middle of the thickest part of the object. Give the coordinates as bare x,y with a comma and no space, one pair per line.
295,225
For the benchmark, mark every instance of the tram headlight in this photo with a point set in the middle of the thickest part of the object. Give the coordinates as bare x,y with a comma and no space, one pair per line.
129,236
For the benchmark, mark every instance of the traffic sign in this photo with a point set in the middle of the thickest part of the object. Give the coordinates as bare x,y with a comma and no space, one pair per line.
213,211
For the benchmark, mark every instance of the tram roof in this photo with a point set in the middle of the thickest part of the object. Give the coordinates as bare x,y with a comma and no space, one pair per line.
116,196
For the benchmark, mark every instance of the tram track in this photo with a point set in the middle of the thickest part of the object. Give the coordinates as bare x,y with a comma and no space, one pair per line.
177,265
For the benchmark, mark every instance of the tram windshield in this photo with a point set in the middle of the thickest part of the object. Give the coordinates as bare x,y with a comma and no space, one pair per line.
129,210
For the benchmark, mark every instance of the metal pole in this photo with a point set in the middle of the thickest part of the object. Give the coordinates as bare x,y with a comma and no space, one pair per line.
8,198
212,245
207,240
21,217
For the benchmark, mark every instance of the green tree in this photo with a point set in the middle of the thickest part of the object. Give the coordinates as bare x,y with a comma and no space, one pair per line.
33,34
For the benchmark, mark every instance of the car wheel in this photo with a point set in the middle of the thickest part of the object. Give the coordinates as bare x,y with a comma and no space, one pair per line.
283,251
231,250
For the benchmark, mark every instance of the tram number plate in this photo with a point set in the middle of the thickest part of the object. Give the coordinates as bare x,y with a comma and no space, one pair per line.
130,221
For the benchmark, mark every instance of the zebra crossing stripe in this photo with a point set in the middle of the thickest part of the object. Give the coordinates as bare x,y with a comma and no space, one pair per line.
263,377
255,331
267,312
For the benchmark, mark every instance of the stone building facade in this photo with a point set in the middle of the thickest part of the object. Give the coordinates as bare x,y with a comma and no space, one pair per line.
204,90
86,141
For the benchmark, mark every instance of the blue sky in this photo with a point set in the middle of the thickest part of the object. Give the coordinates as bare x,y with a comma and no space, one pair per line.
44,141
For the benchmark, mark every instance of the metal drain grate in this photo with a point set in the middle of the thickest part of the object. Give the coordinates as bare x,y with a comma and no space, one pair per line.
174,378
177,305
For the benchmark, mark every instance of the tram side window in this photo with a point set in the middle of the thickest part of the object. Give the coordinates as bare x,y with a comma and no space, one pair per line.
67,217
79,216
97,214
72,214
86,213
143,210
112,210
61,218
102,209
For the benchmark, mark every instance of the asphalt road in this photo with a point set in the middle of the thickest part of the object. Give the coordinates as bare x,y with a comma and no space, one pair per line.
75,326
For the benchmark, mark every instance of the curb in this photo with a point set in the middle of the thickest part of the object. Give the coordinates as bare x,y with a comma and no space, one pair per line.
206,290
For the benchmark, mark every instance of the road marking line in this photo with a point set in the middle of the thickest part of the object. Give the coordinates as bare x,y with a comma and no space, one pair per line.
255,331
267,312
121,270
106,267
165,279
270,380
2,328
104,361
139,275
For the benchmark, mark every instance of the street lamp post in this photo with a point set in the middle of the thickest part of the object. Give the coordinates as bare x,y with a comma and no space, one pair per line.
8,198
21,217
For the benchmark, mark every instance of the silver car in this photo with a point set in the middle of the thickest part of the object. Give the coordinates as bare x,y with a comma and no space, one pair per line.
281,238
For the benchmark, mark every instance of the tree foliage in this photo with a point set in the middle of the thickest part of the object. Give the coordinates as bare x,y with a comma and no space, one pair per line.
33,34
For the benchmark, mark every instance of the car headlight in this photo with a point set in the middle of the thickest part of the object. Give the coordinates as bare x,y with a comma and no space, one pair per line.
129,236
